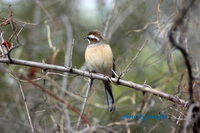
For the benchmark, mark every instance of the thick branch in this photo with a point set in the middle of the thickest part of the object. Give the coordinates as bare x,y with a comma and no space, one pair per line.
143,88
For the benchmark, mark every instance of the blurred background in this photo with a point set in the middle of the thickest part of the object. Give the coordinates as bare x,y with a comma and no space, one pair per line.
137,33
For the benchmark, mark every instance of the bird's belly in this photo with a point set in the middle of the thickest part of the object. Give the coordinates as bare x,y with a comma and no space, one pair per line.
99,59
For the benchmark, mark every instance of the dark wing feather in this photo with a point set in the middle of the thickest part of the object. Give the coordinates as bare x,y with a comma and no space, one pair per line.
113,74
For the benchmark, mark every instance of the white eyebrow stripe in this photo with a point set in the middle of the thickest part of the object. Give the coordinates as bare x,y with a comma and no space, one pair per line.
92,36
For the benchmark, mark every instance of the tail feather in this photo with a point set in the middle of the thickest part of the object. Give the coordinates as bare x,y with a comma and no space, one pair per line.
109,96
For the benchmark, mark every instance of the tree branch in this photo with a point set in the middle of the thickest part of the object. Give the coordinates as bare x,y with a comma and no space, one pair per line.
138,87
178,22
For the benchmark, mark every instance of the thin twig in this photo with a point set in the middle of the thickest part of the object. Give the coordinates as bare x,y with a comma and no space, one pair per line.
14,27
54,49
71,53
60,100
191,116
144,28
46,12
85,101
119,21
45,100
66,112
1,42
128,67
25,103
108,20
21,29
68,52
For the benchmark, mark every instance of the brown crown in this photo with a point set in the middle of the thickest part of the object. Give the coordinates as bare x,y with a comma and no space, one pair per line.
97,34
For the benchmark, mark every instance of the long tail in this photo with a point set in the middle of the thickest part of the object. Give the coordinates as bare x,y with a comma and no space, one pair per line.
109,95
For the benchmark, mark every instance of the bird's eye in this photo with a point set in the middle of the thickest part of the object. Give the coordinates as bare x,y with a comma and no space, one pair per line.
88,38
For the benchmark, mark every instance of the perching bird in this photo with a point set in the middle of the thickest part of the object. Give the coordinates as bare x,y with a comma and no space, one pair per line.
99,59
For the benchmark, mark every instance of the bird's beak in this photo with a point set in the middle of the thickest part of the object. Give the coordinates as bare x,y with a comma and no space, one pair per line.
86,39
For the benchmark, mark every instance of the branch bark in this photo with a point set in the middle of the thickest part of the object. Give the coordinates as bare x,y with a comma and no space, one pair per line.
138,87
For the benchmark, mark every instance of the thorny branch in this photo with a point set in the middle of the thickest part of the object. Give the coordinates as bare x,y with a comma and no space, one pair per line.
139,87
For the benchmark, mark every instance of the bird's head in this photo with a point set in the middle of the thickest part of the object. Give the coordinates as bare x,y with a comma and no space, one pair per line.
94,37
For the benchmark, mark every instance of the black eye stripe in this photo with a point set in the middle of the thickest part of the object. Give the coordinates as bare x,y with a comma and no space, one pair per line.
92,39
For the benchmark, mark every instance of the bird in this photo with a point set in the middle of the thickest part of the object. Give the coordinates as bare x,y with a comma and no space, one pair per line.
99,59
